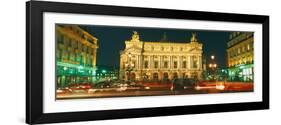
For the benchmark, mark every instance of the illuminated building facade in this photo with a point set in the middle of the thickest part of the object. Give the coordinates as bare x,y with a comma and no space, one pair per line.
75,55
240,56
160,60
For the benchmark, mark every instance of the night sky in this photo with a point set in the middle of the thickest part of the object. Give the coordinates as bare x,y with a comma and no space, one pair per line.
111,39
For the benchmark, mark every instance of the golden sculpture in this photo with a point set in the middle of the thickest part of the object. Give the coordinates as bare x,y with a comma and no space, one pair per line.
193,38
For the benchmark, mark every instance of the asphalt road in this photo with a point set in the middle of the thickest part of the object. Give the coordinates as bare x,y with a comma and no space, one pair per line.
208,89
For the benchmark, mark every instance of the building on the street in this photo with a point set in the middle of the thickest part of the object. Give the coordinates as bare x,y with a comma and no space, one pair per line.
160,60
75,55
240,56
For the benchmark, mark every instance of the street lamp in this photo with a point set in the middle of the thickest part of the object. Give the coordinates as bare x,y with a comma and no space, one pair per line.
129,66
213,66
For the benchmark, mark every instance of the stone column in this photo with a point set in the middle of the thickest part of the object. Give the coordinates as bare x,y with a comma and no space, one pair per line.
191,62
94,58
159,67
168,60
160,61
150,62
180,62
200,62
188,62
137,62
141,61
172,62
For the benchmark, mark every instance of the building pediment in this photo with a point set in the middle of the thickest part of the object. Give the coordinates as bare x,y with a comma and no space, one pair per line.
134,49
195,49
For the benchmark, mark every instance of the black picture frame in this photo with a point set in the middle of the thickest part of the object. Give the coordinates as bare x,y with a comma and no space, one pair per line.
34,61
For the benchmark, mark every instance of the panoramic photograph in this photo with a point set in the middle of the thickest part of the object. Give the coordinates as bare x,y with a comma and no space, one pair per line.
102,61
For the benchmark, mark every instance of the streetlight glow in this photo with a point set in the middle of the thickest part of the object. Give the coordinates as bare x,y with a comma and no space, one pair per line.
213,67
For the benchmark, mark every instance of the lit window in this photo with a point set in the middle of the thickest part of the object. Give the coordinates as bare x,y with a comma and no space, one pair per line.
184,64
194,62
175,64
155,64
145,64
166,64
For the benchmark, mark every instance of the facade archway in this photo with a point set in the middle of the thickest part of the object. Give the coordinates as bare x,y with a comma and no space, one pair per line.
145,76
194,75
184,75
133,76
175,75
165,76
155,76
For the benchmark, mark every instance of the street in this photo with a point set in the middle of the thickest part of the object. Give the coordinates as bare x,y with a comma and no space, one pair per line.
156,90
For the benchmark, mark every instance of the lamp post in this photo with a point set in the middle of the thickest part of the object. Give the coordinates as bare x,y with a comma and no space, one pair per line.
213,66
129,66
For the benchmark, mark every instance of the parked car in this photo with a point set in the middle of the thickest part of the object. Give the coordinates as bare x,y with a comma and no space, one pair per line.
183,83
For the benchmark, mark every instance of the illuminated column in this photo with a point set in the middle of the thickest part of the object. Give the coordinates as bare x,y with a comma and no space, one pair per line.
180,62
197,62
179,66
152,62
200,62
94,58
149,62
121,74
191,61
160,62
188,62
137,62
140,62
170,64
160,67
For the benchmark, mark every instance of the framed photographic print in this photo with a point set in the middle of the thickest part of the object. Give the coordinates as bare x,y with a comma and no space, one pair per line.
95,62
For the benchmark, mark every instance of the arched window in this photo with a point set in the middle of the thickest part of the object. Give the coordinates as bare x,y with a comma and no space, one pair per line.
165,76
155,76
175,75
